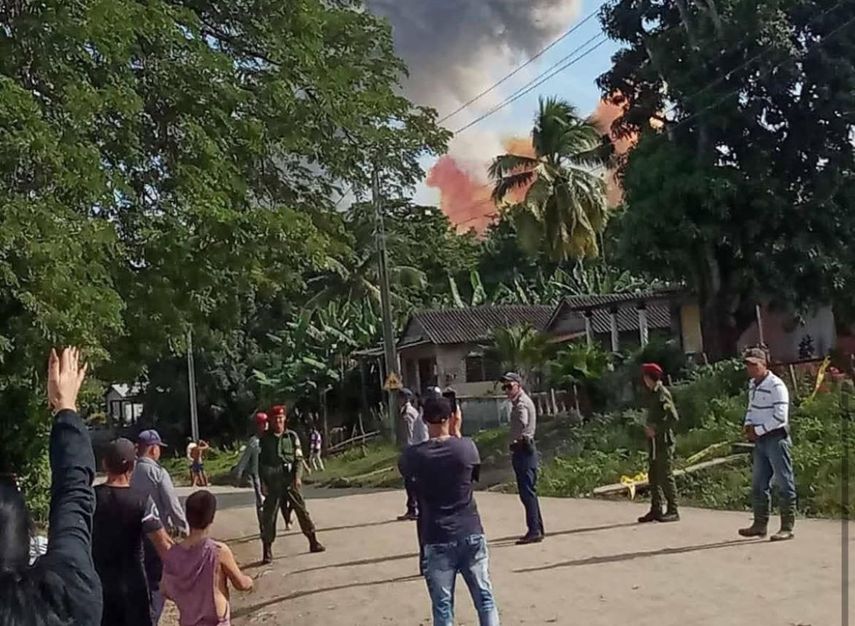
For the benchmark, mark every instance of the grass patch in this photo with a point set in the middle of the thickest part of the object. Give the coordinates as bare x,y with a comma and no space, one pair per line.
218,465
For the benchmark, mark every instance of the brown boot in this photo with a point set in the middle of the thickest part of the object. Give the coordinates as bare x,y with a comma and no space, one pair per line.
315,545
757,529
788,523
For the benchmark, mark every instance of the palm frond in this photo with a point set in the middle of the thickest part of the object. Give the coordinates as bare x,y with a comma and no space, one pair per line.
507,184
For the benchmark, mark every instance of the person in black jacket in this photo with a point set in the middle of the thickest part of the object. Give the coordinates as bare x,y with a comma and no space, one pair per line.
61,588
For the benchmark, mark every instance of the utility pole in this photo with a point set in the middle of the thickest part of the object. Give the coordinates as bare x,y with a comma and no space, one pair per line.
385,300
191,381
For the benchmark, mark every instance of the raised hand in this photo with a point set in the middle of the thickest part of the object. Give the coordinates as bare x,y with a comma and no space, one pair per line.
65,376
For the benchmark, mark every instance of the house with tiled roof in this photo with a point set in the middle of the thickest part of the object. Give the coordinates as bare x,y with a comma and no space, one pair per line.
624,321
447,346
451,346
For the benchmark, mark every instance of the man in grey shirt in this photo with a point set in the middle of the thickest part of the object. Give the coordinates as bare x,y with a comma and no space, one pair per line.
524,454
151,480
417,433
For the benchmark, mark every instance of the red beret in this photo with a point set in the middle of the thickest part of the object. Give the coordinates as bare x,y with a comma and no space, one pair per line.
652,369
261,418
277,409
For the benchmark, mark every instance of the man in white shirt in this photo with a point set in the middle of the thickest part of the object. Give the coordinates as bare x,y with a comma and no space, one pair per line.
767,426
417,433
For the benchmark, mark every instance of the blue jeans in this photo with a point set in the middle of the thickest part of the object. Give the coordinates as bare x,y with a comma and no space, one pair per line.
525,468
772,458
440,564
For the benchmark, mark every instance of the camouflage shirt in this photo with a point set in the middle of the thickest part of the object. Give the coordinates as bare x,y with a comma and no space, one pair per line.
661,410
280,454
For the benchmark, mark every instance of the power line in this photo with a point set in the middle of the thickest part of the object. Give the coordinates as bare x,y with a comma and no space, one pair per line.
531,86
524,65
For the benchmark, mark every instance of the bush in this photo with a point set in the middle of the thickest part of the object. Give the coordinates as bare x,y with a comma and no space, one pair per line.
35,485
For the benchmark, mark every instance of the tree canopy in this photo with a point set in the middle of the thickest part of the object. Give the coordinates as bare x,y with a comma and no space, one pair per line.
169,165
740,186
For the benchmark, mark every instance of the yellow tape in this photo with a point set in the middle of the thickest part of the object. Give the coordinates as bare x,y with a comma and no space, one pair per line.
632,481
820,377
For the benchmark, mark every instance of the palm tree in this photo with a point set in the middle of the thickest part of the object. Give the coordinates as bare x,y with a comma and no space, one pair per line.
565,207
521,349
356,278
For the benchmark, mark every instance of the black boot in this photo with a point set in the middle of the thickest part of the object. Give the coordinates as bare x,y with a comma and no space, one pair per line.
315,545
671,515
653,515
758,528
788,523
266,554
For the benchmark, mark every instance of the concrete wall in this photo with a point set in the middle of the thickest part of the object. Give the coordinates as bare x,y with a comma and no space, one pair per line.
690,328
783,334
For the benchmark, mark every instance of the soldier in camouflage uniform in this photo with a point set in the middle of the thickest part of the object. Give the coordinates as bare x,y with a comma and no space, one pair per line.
661,420
280,462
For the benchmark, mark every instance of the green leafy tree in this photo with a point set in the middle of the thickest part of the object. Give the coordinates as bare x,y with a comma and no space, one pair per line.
740,186
522,349
565,208
167,165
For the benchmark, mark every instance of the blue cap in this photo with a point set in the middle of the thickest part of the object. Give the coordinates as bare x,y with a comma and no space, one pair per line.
150,438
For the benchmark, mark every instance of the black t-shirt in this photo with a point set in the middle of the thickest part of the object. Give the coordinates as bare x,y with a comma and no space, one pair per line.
442,472
122,517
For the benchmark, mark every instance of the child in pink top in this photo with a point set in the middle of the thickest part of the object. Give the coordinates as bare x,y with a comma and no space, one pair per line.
197,571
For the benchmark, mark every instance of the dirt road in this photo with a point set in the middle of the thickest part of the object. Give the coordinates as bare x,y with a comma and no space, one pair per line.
596,568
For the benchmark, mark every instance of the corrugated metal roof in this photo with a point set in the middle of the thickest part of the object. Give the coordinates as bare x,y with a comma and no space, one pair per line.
475,324
602,300
658,316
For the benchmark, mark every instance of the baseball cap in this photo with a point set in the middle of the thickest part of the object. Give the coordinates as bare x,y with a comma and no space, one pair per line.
150,438
433,392
436,410
260,418
512,377
756,356
120,456
407,393
276,409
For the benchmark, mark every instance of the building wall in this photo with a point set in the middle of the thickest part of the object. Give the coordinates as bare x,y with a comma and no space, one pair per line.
690,327
782,335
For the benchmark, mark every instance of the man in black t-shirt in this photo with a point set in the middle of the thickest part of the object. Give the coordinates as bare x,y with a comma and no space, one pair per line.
122,517
441,472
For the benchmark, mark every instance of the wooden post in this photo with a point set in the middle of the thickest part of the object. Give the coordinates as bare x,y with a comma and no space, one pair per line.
615,333
643,333
589,331
794,380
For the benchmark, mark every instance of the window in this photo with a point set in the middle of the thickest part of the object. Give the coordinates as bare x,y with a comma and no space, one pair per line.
482,368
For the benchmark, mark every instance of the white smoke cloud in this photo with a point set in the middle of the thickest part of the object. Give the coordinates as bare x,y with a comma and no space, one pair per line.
457,48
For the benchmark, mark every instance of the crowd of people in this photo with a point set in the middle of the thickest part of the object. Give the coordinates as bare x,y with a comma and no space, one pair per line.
116,551
440,468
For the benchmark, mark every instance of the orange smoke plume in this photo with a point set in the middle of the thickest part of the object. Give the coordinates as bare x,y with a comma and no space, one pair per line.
464,198
465,201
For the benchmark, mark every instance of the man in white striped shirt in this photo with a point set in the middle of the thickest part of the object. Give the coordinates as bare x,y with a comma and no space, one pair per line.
767,426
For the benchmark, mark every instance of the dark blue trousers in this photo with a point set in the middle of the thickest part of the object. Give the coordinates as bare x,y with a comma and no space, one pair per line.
525,467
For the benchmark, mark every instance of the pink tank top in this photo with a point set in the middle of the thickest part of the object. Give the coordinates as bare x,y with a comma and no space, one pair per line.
189,576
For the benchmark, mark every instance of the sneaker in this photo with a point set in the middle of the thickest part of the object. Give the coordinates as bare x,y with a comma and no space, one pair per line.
670,516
